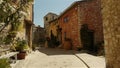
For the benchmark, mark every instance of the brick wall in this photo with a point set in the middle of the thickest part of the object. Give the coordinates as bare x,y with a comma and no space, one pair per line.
90,14
82,12
111,22
71,26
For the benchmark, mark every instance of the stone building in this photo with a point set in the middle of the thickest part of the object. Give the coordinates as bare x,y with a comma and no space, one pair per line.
47,18
25,23
81,25
111,25
38,35
26,32
23,30
29,23
53,32
53,27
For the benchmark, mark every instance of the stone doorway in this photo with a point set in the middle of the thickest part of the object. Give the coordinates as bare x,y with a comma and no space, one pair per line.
87,38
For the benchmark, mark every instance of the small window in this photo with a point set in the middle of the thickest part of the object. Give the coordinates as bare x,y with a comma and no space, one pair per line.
53,17
46,18
66,19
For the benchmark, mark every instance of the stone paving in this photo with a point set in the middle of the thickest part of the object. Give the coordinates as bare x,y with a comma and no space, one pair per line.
55,58
92,61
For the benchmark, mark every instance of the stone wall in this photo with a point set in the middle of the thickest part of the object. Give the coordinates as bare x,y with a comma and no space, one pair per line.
79,13
53,27
47,18
111,19
90,14
38,35
70,28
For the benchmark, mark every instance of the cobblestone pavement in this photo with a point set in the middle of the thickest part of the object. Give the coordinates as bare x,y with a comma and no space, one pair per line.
52,58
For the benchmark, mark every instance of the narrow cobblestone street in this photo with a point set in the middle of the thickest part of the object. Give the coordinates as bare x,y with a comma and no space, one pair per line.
56,58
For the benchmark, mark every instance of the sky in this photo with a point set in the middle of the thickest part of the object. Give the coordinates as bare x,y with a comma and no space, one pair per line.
42,7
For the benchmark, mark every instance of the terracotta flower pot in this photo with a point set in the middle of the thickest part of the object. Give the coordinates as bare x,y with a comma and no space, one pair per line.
67,45
21,55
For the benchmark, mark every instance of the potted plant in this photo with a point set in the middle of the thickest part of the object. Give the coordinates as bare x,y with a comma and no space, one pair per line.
67,44
22,47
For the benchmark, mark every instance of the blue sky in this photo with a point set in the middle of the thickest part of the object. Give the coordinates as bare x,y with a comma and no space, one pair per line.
42,7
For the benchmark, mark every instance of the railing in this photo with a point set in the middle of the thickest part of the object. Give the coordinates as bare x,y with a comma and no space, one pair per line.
9,55
5,53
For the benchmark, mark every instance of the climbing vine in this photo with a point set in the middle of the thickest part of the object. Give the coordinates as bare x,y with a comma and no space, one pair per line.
13,12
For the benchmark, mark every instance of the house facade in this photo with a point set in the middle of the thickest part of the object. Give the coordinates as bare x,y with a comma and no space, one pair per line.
53,27
28,24
81,24
53,33
38,35
47,18
19,27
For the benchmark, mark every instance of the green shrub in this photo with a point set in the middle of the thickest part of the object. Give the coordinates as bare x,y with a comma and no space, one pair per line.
9,38
22,45
4,63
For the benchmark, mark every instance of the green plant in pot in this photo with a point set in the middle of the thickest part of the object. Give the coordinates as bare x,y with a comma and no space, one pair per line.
22,47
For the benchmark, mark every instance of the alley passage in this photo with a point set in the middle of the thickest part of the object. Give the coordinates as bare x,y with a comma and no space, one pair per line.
51,58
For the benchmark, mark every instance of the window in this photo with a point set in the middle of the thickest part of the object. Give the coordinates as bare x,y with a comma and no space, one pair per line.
52,17
66,19
46,18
